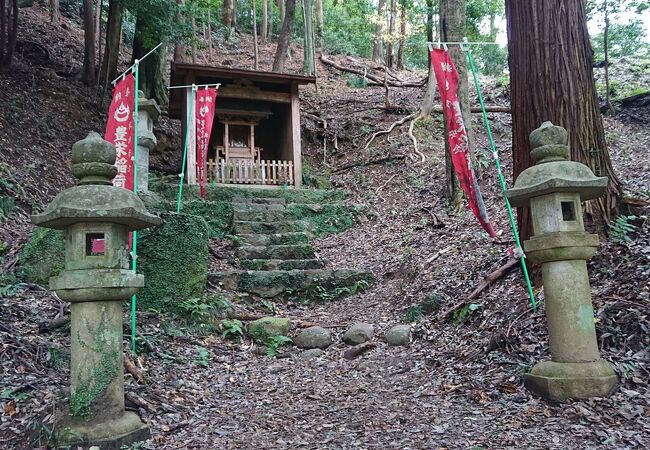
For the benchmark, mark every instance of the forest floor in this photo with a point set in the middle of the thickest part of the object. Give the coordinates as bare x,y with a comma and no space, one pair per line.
457,386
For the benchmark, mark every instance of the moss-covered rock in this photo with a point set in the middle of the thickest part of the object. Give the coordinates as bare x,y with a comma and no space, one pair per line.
174,260
266,327
323,219
43,256
218,215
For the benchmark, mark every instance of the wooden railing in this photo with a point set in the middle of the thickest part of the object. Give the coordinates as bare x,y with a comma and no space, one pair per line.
242,171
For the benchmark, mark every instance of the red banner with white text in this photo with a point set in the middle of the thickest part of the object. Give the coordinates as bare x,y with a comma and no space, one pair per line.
120,130
205,104
447,78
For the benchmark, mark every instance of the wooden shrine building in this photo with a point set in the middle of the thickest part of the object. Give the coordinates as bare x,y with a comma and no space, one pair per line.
255,137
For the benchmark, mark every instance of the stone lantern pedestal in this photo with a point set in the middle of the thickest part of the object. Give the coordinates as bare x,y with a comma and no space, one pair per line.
148,113
554,189
96,218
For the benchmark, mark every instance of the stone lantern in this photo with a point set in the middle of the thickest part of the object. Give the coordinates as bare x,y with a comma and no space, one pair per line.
96,218
554,189
148,113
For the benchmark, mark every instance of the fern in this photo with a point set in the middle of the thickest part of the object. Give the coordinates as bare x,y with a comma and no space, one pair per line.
274,343
9,291
621,228
232,329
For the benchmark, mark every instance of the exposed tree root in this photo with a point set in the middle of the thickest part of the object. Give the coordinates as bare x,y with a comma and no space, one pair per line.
372,79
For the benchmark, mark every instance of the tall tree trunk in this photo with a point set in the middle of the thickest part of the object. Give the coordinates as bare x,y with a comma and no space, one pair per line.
391,33
265,21
608,94
308,47
255,50
180,52
54,12
228,17
551,78
320,25
98,29
8,31
88,69
282,7
269,18
209,34
402,37
108,71
429,26
151,76
285,36
377,46
453,28
193,23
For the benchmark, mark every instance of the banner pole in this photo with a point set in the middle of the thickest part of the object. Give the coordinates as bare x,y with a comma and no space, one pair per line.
137,62
190,111
134,248
502,180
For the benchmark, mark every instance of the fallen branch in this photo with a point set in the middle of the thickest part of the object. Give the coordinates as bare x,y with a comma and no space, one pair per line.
387,131
373,79
358,350
131,368
58,322
487,281
140,402
367,163
252,317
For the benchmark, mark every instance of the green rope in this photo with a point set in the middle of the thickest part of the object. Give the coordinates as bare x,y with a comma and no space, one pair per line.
187,141
134,248
502,180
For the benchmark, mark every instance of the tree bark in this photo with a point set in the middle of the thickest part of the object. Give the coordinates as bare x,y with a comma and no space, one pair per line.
320,25
551,78
430,21
255,49
377,46
453,28
151,77
608,94
391,32
265,21
209,34
180,52
228,17
98,29
88,69
8,31
54,12
269,16
282,7
285,36
193,49
402,37
108,71
308,47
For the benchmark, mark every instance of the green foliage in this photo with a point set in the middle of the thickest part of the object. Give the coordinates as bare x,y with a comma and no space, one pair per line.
413,313
348,29
174,260
194,307
8,291
42,256
491,59
427,306
321,293
621,228
311,178
624,40
7,207
357,82
324,219
218,215
274,343
232,329
461,314
202,356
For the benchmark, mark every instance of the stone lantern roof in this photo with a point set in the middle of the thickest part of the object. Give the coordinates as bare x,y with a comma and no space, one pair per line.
95,199
554,172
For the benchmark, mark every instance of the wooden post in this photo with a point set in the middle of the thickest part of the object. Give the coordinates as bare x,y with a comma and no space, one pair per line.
295,130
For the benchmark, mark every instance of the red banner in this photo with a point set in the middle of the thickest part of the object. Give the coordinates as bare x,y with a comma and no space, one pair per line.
205,104
447,78
120,130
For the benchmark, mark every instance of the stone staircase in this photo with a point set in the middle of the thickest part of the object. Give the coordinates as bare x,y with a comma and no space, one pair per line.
275,256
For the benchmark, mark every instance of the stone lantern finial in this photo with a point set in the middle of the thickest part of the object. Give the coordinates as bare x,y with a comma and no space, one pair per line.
93,160
549,143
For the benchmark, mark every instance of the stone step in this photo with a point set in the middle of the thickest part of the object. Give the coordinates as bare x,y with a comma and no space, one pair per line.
260,216
259,200
258,207
294,251
281,264
274,239
313,285
287,226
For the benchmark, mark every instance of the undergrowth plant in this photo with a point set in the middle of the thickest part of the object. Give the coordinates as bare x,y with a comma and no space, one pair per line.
274,343
621,228
461,314
202,356
232,329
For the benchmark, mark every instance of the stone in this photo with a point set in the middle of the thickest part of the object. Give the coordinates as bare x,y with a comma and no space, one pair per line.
399,335
554,189
311,354
358,334
313,337
96,218
262,329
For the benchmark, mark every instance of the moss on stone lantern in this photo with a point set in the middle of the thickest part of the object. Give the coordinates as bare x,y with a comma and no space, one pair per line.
96,218
554,189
